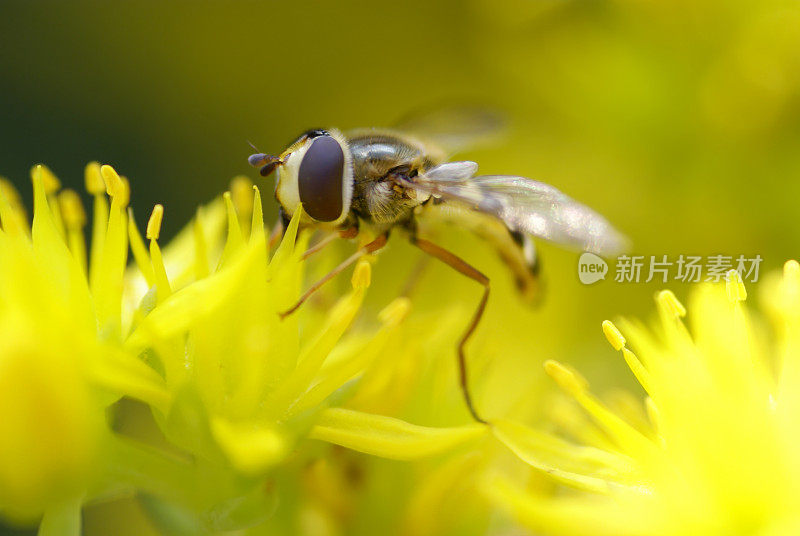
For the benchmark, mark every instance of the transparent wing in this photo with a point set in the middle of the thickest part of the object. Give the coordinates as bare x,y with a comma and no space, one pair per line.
455,128
523,205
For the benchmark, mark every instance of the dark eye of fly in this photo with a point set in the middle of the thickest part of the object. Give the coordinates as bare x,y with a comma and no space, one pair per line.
320,179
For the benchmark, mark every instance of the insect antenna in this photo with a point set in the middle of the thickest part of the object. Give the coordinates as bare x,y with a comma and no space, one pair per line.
267,162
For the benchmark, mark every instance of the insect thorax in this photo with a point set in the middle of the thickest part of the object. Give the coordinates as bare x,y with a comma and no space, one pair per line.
376,156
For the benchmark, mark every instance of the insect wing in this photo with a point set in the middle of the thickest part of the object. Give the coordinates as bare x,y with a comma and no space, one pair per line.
452,172
523,205
455,128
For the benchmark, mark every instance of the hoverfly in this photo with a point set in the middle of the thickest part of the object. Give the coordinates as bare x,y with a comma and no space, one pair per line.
383,179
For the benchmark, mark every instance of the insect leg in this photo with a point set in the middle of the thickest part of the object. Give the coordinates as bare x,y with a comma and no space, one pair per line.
366,249
347,233
320,245
461,266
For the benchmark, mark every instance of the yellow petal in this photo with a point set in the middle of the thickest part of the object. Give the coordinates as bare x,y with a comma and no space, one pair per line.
567,517
569,464
235,239
389,437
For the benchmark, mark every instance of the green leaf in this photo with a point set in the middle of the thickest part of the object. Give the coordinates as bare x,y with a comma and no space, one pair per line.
389,437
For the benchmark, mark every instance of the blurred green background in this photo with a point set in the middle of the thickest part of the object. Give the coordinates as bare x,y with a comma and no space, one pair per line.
678,120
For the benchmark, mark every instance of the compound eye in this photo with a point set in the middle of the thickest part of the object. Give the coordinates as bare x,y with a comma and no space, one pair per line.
320,179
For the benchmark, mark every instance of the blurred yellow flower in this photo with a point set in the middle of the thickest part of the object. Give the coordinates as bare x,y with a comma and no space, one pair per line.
60,359
717,453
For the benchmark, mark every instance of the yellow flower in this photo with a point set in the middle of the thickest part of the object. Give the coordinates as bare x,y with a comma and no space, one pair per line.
249,388
238,394
717,452
60,360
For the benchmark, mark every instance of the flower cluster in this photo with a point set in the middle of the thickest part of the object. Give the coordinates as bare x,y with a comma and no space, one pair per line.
713,448
174,379
236,393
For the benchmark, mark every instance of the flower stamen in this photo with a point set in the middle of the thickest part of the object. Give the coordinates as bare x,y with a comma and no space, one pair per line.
154,223
395,312
12,213
791,282
95,185
361,275
566,377
74,220
614,336
112,256
638,369
734,286
163,289
51,187
670,305
626,437
49,180
140,254
115,186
